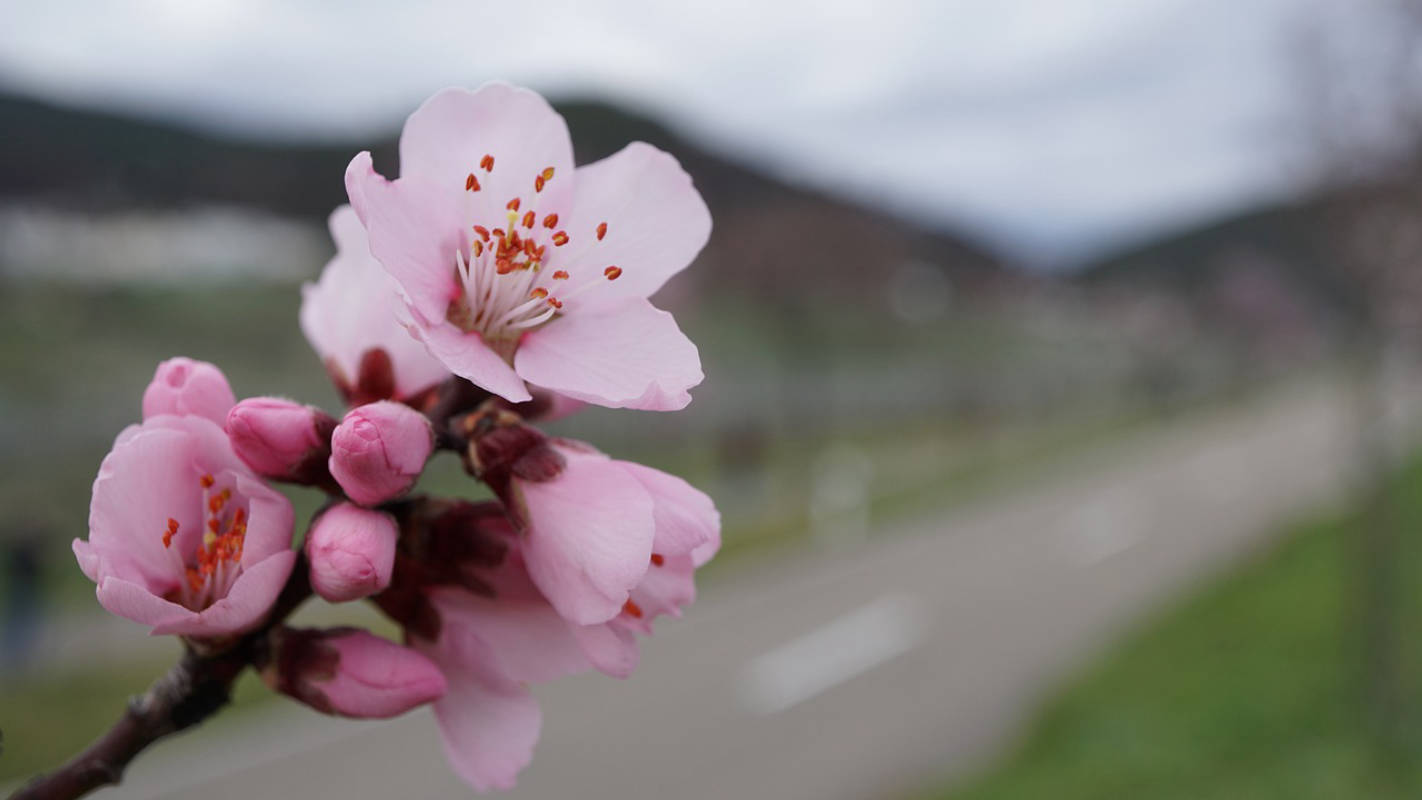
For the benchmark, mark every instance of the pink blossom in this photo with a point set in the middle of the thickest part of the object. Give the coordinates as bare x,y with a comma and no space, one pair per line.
688,534
352,552
515,267
496,639
591,524
281,439
490,646
349,318
351,672
183,386
379,450
183,536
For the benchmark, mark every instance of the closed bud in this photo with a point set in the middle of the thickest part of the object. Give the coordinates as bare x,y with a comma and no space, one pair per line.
379,450
350,672
281,439
184,387
352,552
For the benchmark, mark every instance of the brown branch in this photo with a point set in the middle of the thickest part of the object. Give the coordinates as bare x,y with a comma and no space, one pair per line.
197,687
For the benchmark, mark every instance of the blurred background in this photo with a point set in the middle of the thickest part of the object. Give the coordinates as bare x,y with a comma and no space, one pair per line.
1061,399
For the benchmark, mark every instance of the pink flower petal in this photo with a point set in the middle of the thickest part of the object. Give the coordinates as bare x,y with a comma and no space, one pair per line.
656,221
145,481
269,520
686,518
611,648
488,734
88,559
351,310
707,551
445,140
245,605
666,590
469,357
129,600
589,538
516,637
627,355
415,230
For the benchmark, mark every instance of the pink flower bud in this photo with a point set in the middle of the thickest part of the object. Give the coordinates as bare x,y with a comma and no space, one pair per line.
351,672
379,450
352,552
281,439
184,387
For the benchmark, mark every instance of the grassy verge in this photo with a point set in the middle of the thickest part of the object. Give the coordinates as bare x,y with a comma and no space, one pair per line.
1252,689
47,720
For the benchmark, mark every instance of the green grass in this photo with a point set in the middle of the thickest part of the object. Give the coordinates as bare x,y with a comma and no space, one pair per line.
1252,689
45,720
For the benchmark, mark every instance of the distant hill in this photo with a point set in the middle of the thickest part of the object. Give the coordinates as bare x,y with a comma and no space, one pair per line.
1289,241
783,241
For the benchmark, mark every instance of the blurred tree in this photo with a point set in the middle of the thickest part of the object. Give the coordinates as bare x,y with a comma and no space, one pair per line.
1361,70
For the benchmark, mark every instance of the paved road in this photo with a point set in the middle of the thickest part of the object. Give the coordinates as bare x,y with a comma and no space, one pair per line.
853,673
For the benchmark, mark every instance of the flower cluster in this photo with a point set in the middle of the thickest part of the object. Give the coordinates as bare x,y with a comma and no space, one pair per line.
491,285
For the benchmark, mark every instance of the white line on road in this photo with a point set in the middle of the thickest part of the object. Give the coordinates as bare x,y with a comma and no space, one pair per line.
832,654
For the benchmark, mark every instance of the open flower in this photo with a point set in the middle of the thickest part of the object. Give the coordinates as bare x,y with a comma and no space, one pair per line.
490,647
497,633
687,535
515,267
183,536
592,525
348,316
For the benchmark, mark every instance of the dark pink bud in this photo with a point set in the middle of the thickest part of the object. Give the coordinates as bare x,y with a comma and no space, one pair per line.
379,450
184,387
281,439
352,552
351,672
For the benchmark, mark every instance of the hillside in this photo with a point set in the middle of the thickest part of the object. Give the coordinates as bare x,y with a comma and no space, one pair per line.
1276,265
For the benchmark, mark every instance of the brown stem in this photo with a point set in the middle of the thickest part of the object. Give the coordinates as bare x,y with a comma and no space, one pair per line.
455,396
195,688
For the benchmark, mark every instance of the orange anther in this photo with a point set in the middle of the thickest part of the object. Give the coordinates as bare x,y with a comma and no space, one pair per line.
559,239
601,230
551,221
560,275
487,162
658,559
513,204
482,231
539,292
632,609
612,273
528,219
471,183
207,481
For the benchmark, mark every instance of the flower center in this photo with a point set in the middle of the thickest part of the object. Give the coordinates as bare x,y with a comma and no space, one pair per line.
511,279
216,563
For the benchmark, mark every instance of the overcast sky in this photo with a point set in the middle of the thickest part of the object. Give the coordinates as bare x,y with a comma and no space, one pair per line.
1052,128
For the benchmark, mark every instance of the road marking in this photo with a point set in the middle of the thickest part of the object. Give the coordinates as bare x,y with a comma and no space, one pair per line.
1104,526
832,654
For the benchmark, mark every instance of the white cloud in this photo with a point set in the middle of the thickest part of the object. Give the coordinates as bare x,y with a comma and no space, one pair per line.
1058,124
